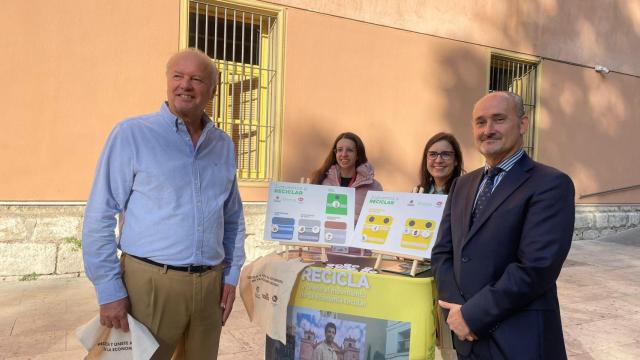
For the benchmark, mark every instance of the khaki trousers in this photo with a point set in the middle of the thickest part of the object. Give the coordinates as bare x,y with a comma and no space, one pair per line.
182,310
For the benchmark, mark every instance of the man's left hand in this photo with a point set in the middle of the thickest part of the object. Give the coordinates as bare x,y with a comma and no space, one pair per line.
226,301
456,321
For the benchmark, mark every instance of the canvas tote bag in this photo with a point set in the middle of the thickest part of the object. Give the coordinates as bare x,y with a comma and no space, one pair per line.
265,288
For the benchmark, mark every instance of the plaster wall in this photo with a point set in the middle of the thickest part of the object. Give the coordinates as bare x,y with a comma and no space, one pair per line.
88,65
393,88
586,32
72,69
589,127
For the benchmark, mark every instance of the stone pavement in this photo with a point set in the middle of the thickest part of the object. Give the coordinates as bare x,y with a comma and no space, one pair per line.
599,294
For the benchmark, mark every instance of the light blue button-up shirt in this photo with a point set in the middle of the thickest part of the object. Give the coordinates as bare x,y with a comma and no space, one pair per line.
181,204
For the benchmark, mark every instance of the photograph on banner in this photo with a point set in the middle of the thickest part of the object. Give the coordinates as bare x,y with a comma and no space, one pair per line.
312,333
399,223
310,214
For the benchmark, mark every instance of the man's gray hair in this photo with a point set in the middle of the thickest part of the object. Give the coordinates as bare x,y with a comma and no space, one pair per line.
203,56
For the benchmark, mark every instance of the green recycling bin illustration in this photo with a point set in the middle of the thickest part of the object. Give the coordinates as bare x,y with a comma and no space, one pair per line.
336,204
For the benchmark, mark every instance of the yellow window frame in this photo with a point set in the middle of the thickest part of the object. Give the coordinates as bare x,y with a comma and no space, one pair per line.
228,116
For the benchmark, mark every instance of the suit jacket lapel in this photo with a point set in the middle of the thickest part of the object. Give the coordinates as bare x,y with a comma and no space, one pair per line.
470,197
511,181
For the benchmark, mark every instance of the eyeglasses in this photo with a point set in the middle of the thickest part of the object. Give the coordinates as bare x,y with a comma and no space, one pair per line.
445,155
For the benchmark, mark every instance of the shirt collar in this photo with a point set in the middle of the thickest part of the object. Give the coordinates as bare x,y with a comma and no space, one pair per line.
507,163
176,122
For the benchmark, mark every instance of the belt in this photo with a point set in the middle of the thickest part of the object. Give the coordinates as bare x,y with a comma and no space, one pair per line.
196,269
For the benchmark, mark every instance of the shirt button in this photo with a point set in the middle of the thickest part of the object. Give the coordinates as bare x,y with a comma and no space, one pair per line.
465,259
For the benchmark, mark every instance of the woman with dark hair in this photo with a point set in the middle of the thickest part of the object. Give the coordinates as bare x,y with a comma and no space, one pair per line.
346,165
441,164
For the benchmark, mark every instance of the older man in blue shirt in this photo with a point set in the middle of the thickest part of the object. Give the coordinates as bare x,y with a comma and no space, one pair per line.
172,175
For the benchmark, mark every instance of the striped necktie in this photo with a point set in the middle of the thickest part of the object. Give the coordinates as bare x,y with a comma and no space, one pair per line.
485,192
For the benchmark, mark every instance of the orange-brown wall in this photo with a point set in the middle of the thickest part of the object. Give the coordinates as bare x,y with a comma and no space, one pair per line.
587,32
590,127
396,88
75,68
393,88
71,70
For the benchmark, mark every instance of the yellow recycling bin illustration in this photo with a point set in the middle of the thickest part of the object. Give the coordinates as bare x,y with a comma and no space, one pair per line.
417,234
376,228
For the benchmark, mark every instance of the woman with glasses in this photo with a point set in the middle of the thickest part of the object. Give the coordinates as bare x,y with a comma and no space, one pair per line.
346,165
441,164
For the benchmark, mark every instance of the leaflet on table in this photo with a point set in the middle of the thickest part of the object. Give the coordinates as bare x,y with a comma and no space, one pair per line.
399,223
306,213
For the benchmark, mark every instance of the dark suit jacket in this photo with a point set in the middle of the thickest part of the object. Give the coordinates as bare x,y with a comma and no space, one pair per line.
503,268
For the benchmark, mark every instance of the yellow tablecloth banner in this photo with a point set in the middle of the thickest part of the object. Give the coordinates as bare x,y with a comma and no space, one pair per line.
376,315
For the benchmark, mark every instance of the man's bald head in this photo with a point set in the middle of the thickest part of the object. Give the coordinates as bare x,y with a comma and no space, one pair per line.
515,99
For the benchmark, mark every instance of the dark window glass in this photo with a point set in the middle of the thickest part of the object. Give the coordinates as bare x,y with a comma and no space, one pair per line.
220,43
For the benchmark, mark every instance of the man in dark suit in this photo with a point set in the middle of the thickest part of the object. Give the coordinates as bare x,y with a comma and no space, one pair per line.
505,233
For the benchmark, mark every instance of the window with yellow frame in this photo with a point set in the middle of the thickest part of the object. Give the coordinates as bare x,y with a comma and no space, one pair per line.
244,43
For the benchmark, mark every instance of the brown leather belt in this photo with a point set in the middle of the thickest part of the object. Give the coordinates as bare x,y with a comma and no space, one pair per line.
195,269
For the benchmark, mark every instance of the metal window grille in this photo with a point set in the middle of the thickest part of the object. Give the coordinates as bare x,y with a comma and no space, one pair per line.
244,46
517,76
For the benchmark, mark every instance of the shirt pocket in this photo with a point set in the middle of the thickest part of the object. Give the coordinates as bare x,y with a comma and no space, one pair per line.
217,183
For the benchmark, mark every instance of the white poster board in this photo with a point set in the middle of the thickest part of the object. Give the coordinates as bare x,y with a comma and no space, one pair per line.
399,223
309,214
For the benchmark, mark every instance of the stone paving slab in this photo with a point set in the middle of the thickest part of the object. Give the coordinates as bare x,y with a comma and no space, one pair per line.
599,290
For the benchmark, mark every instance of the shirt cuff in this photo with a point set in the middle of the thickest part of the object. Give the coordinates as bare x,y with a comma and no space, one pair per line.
231,275
110,291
